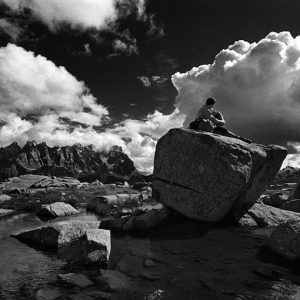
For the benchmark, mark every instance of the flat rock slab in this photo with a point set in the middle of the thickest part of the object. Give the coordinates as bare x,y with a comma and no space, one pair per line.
265,215
57,209
79,280
208,177
57,234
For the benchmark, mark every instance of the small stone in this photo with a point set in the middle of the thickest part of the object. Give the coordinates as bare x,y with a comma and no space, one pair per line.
48,294
157,295
79,280
4,197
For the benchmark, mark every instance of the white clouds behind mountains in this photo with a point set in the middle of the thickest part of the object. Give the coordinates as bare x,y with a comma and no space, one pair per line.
78,13
42,102
257,87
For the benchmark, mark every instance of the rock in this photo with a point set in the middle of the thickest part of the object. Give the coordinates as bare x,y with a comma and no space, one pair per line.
140,185
79,296
265,215
56,235
6,212
93,247
285,240
247,221
115,225
276,199
295,193
114,281
79,280
105,204
57,209
98,295
209,177
151,218
157,295
48,294
4,198
292,205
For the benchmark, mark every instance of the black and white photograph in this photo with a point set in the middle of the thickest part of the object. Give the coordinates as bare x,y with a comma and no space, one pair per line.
149,149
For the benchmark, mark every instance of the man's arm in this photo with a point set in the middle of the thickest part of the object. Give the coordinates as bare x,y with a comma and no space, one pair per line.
209,114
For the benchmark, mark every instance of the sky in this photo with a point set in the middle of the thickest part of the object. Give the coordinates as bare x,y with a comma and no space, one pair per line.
124,72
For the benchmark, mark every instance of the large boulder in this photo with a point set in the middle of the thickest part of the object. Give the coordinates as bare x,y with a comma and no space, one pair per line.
285,240
57,209
93,247
57,234
209,177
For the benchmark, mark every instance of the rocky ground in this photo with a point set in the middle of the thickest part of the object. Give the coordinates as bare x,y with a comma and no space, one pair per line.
142,249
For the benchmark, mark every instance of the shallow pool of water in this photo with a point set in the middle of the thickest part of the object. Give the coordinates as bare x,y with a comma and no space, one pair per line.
24,270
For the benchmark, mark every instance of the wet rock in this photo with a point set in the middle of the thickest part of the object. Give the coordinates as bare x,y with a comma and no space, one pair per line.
285,240
57,234
57,209
265,215
48,294
208,177
79,280
276,199
105,204
93,247
115,281
6,212
292,205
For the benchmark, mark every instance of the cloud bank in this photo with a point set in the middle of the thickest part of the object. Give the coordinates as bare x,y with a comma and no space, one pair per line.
78,13
257,87
43,102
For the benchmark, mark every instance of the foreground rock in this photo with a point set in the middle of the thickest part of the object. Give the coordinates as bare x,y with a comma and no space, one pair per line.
57,234
57,209
141,223
265,215
208,177
285,240
105,204
93,247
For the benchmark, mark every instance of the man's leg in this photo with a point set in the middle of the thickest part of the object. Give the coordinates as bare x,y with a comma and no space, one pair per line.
223,131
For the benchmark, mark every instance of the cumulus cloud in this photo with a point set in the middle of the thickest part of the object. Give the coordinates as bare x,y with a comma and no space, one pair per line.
78,13
256,85
43,102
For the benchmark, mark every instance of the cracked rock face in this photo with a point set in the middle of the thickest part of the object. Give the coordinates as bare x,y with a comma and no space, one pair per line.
209,177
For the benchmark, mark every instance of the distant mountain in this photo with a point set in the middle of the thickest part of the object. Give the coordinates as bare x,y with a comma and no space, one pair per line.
76,161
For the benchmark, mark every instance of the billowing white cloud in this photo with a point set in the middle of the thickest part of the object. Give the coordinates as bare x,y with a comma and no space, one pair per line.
257,87
42,102
10,29
78,13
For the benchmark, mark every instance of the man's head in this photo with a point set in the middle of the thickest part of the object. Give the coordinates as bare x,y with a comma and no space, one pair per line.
210,101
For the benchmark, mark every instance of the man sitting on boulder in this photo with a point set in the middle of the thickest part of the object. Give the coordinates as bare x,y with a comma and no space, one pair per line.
210,120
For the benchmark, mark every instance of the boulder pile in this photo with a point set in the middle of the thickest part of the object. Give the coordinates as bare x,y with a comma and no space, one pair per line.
209,177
